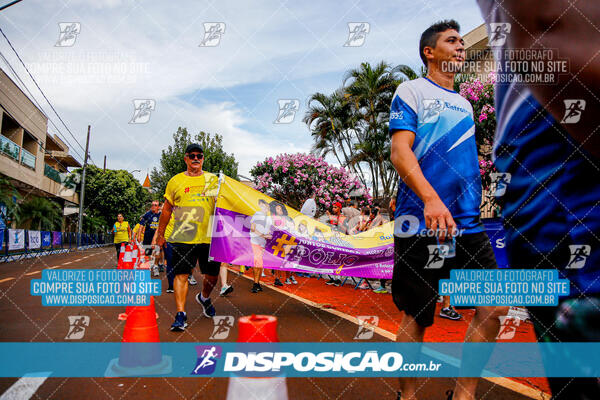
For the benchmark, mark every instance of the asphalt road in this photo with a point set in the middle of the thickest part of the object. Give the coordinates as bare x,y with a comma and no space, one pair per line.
24,319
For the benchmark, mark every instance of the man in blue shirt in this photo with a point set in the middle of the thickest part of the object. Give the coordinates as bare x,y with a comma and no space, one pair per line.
547,141
148,225
439,193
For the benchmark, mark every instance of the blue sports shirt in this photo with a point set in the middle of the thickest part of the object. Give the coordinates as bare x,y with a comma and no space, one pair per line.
551,202
445,147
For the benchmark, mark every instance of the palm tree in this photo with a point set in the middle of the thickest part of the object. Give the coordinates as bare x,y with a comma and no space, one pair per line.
371,89
40,213
331,123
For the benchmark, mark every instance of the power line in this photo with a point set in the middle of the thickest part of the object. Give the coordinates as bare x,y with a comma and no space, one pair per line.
34,100
41,91
10,4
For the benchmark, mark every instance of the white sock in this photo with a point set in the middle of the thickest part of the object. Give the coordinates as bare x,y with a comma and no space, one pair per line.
203,298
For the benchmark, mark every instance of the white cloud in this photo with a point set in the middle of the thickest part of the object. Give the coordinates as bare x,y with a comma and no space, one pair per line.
135,50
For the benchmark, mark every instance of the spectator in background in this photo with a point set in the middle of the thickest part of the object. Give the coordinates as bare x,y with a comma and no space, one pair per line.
352,214
375,219
309,208
122,233
392,207
363,221
336,219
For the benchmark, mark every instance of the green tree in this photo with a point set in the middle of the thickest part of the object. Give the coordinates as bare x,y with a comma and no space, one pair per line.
352,123
171,160
9,197
94,224
110,192
40,213
370,90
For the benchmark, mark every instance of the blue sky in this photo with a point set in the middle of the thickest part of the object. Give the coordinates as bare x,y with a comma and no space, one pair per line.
128,50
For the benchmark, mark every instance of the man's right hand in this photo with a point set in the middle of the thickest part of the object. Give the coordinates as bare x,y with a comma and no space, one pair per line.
437,217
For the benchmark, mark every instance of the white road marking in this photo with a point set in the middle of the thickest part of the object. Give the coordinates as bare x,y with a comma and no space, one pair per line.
504,382
25,388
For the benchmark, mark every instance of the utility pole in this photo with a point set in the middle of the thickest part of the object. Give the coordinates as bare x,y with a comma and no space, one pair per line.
82,192
104,169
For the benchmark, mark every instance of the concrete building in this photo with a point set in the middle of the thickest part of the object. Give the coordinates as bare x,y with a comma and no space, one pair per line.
479,60
35,161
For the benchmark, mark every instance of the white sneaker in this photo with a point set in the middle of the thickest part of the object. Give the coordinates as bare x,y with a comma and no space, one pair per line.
155,270
294,281
288,281
192,281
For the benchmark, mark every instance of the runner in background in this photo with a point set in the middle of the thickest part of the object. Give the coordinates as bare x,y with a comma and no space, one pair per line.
260,231
432,127
167,250
148,225
225,288
547,143
122,233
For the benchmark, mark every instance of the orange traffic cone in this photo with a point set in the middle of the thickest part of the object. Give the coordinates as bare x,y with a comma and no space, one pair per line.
121,255
134,256
127,259
252,329
140,351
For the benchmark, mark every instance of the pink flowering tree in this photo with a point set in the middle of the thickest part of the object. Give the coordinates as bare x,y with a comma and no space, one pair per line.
481,96
291,178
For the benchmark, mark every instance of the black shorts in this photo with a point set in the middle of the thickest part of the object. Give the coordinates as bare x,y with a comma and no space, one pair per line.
184,257
417,270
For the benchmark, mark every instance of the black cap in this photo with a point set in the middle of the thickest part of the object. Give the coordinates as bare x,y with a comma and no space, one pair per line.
194,147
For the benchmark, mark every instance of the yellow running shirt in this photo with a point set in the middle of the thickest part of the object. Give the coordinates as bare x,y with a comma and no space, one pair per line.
169,228
121,232
193,201
135,230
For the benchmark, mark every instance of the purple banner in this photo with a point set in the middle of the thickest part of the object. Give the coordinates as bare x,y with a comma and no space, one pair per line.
292,251
56,238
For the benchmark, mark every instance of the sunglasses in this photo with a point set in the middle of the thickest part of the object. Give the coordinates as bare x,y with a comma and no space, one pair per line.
193,156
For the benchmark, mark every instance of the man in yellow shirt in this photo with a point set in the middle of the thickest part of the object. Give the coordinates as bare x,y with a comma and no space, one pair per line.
190,199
